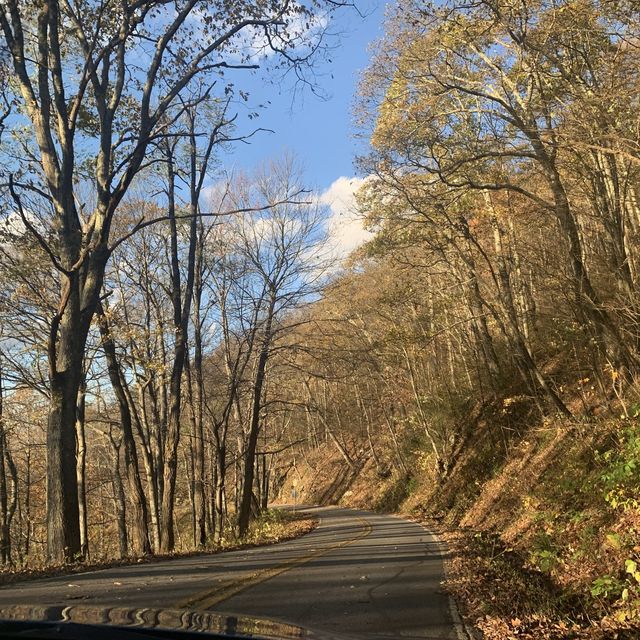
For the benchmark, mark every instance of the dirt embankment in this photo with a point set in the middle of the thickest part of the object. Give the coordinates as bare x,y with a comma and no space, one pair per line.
543,524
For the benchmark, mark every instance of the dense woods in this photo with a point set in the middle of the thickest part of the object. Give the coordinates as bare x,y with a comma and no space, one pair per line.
503,186
175,340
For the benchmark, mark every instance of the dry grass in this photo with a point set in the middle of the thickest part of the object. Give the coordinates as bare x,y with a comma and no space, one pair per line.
505,599
539,552
275,528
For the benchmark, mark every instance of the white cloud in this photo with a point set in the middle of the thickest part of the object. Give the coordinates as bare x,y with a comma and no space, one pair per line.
215,197
345,225
13,224
297,31
299,37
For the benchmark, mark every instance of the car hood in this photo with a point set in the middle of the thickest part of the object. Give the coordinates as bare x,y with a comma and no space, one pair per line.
183,621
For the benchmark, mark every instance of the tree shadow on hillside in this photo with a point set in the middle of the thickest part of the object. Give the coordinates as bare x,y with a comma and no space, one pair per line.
341,483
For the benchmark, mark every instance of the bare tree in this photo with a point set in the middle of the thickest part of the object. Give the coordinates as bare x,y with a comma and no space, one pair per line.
287,261
112,111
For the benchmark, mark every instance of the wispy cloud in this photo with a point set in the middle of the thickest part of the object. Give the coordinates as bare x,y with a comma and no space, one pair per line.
298,32
299,35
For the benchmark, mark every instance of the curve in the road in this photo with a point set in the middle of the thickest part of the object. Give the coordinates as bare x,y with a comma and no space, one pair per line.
358,574
212,597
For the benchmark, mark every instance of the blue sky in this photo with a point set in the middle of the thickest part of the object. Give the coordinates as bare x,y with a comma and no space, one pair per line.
318,131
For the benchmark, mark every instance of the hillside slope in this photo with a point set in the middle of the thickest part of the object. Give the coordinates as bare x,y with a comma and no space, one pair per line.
543,524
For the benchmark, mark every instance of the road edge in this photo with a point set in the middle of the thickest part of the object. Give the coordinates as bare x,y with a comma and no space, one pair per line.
463,630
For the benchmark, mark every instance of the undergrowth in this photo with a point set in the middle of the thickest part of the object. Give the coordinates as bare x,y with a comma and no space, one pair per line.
554,549
270,527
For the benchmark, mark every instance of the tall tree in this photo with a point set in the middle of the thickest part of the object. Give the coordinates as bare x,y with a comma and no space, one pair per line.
284,251
476,101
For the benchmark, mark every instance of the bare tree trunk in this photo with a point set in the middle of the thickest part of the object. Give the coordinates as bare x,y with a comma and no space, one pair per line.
328,431
140,541
63,512
197,397
440,463
527,362
244,514
5,530
368,421
13,503
81,469
27,504
588,302
181,302
396,445
119,499
220,472
149,457
264,494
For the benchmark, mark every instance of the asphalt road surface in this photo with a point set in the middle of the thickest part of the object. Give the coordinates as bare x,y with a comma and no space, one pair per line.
359,574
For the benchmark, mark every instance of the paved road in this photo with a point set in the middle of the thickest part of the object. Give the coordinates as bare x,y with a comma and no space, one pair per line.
358,573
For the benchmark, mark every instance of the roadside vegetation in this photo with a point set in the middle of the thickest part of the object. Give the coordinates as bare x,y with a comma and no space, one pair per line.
270,527
144,289
484,375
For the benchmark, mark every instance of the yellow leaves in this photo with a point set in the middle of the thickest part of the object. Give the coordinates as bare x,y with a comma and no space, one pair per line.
424,460
631,568
392,112
613,373
613,540
507,403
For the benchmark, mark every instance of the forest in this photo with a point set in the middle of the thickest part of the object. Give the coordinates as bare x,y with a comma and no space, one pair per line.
177,341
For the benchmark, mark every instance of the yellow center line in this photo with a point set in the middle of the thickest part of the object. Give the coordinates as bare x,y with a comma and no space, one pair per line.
211,597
